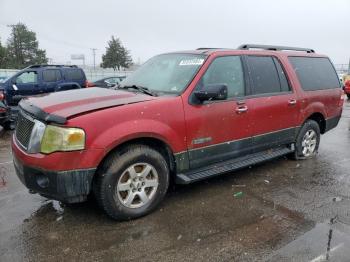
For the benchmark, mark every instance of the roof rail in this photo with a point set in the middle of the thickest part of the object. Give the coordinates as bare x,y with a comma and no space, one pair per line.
274,48
208,48
45,65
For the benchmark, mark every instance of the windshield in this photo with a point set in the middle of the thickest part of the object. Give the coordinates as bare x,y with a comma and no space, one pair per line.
166,74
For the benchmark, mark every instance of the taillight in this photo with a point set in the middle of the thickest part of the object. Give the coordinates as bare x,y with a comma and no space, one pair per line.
2,95
89,84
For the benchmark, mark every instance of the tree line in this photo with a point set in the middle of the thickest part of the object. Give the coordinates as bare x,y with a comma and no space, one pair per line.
22,50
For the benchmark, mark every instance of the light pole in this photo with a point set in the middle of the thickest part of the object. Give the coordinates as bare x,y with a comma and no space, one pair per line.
94,55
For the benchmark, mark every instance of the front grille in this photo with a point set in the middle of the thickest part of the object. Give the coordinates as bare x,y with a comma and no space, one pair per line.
24,129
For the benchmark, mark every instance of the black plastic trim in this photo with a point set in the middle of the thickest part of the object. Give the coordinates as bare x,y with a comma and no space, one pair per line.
332,123
70,186
40,114
229,150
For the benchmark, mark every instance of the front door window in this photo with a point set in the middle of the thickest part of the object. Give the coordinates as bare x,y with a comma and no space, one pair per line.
27,78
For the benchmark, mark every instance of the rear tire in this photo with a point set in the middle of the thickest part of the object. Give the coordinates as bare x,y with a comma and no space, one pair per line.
132,183
308,141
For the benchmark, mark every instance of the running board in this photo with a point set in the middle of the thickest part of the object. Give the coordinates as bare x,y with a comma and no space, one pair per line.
230,165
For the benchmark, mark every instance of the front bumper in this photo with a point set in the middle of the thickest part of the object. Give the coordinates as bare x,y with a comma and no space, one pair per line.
70,186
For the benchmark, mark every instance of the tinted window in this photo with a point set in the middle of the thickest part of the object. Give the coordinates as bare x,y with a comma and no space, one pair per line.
51,75
27,77
226,70
74,74
264,75
282,76
315,73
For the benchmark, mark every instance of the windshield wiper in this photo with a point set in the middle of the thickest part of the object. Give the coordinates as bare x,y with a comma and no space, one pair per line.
142,89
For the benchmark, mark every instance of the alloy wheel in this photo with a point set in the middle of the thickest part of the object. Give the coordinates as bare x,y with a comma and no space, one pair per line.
137,185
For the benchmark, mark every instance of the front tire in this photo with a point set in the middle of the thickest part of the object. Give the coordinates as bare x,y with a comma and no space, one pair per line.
132,183
308,140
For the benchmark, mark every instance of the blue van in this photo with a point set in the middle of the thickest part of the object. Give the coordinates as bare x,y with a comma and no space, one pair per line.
35,80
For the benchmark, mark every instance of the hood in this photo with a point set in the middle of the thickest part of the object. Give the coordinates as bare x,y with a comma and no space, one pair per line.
58,107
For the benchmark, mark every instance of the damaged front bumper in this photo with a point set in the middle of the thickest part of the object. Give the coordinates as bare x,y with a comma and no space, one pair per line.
71,186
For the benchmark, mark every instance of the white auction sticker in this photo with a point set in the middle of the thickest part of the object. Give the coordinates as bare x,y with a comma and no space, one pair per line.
195,61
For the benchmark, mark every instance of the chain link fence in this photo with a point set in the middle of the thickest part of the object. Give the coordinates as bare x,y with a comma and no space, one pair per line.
91,74
342,68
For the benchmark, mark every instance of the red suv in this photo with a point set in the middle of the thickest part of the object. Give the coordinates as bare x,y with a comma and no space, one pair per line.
183,116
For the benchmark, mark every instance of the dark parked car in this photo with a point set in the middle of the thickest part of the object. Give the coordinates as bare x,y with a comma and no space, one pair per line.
39,79
107,82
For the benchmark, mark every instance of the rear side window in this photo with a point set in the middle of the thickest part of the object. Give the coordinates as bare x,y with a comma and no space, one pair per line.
264,75
74,74
315,73
52,75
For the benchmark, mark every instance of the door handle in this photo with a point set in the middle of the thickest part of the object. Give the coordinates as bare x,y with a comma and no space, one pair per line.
241,109
292,102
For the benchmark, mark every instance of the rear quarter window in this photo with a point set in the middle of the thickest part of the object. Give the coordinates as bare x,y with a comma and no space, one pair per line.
315,73
75,74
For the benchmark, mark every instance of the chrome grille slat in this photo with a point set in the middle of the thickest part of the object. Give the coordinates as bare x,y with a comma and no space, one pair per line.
24,129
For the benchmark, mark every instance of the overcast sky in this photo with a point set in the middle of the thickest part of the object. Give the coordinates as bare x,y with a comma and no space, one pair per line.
151,27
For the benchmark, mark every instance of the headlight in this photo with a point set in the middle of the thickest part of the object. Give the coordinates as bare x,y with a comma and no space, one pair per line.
62,139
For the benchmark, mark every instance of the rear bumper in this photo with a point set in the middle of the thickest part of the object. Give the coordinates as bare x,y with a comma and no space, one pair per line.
70,186
332,122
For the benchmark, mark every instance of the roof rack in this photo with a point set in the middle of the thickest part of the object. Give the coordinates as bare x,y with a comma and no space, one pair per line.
274,48
208,48
45,65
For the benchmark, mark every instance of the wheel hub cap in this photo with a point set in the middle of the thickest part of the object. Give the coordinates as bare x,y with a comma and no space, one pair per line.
137,185
309,143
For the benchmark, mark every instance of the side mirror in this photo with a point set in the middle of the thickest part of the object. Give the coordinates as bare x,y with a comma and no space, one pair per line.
212,92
